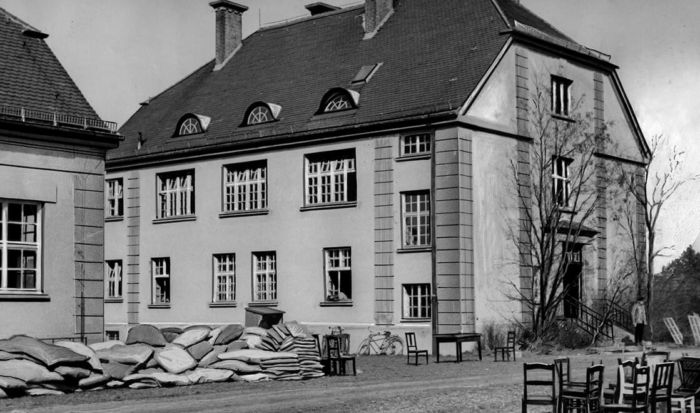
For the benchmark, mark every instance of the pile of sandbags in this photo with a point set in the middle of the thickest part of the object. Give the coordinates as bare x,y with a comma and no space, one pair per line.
157,358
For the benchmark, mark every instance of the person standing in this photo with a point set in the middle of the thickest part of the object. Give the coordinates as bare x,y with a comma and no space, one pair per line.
639,317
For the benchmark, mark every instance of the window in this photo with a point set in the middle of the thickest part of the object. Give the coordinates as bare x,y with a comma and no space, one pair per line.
245,187
561,100
114,279
338,274
224,277
112,335
416,219
416,301
560,181
416,144
265,276
339,99
259,114
330,178
175,194
115,198
20,239
190,126
338,102
160,269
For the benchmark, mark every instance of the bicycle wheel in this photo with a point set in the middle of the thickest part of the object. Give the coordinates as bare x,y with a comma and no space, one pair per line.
395,346
363,349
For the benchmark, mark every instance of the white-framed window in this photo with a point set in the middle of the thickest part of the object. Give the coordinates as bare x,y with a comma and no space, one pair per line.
416,301
265,276
224,277
561,185
245,187
259,114
114,279
561,96
160,271
339,101
115,198
175,194
338,269
190,126
416,218
417,144
20,240
330,178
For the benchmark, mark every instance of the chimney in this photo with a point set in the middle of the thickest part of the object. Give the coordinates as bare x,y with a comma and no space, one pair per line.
320,8
376,11
229,29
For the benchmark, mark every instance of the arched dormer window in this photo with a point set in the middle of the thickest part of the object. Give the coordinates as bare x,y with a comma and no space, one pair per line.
191,124
339,99
261,112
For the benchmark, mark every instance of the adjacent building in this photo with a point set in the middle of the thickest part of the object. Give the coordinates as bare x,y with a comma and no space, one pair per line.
52,152
351,168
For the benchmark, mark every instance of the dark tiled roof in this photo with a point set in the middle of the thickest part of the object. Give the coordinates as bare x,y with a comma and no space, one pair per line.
515,11
433,53
32,77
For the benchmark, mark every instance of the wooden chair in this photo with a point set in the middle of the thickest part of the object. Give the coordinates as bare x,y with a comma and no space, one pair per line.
639,399
539,386
586,398
625,379
337,361
683,398
563,367
661,386
507,349
413,349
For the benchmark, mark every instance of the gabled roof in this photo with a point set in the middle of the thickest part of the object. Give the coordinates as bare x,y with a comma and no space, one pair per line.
32,77
433,55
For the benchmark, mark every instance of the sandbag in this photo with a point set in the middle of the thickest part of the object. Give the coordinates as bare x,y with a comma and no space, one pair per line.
252,341
94,380
199,350
118,370
48,354
3,395
174,359
236,366
151,384
212,356
252,377
27,371
43,392
295,330
200,376
171,333
213,335
72,373
146,334
169,379
191,337
84,350
230,333
130,354
12,384
105,345
197,327
237,345
257,331
256,356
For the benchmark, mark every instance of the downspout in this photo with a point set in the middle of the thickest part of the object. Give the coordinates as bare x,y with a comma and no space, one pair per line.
433,252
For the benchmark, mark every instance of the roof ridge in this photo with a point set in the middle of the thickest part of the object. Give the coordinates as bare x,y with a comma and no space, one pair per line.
19,21
304,19
537,16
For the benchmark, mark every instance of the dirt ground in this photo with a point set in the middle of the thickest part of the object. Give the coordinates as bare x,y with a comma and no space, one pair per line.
383,384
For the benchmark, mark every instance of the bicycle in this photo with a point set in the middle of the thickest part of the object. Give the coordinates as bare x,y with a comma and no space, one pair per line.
381,342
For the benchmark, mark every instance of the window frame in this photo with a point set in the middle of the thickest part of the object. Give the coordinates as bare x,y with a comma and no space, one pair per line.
229,274
409,305
188,190
115,198
418,214
269,295
561,96
351,97
167,274
418,153
561,179
6,246
232,207
320,189
345,271
189,120
118,280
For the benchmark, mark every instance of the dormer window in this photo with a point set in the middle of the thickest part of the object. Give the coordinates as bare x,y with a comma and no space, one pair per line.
339,99
261,112
191,124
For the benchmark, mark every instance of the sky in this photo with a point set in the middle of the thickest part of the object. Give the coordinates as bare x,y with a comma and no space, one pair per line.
120,53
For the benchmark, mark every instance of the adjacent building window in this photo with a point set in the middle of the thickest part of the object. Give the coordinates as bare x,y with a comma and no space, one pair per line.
20,240
416,301
160,270
115,198
561,186
416,219
338,274
330,178
561,99
265,276
418,144
175,194
112,335
114,279
224,277
245,187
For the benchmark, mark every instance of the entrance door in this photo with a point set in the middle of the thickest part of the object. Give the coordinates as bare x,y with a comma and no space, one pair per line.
572,282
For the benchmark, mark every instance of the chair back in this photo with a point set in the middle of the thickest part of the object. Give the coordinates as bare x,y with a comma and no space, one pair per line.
563,370
689,373
333,345
628,367
662,384
640,387
510,339
594,379
538,380
411,341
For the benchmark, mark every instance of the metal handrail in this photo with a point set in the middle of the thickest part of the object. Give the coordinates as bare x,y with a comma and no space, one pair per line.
57,119
620,316
588,319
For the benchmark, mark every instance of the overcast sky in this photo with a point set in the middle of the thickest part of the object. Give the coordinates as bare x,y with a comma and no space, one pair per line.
122,52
